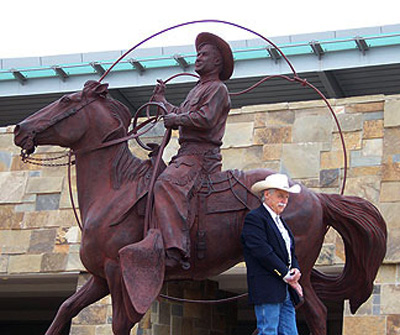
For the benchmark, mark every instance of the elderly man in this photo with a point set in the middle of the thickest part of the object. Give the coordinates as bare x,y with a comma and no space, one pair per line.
201,120
272,268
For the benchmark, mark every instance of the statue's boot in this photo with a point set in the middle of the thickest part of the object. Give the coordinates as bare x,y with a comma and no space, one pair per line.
143,268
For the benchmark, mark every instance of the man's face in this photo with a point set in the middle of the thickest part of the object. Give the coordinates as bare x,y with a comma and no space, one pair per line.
276,200
208,60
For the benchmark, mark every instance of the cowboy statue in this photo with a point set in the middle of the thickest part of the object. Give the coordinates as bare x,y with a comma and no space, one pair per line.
201,120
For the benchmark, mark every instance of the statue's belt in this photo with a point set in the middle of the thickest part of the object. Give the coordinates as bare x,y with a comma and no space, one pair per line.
197,149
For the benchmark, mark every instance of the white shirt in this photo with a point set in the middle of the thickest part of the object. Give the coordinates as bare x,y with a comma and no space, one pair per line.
282,230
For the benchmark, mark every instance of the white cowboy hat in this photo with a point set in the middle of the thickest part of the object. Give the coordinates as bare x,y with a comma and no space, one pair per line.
278,181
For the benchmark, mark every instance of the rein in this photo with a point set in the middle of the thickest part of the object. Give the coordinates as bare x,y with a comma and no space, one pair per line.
133,134
39,161
71,197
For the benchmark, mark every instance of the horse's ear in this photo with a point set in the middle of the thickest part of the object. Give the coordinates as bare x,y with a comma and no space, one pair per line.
101,89
94,87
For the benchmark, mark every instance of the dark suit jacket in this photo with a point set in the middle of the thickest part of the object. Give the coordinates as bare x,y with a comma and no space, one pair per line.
266,257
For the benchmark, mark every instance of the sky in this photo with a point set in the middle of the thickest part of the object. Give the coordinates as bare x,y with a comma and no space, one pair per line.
44,28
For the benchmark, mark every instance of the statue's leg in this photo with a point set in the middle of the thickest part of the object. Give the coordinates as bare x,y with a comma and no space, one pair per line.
94,289
172,205
124,315
314,310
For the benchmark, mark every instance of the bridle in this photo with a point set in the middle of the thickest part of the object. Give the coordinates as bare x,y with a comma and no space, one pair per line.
133,134
31,135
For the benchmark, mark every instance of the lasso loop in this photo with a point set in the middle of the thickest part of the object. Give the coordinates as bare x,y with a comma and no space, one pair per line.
195,22
152,121
303,82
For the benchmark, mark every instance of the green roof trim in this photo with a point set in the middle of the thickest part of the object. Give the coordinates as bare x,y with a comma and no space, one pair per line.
240,54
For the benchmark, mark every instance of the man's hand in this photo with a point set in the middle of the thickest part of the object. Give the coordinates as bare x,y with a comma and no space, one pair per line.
171,120
298,288
293,276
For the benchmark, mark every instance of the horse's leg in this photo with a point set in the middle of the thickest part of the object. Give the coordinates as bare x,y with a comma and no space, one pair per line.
94,289
124,315
314,310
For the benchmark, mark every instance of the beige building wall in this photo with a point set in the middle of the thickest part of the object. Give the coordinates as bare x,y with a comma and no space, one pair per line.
39,235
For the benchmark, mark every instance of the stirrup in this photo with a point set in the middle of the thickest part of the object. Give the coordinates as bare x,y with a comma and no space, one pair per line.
185,265
174,258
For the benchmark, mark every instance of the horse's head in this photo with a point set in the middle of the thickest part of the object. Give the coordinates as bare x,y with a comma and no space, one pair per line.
76,120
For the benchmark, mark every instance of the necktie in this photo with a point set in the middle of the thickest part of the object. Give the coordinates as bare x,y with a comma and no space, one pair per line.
285,236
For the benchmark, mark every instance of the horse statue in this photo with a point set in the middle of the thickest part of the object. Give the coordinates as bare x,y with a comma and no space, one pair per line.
112,189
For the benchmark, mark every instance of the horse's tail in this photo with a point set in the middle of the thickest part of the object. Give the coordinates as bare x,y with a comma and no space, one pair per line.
363,230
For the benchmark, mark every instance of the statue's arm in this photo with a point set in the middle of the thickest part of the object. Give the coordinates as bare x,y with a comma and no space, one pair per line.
205,112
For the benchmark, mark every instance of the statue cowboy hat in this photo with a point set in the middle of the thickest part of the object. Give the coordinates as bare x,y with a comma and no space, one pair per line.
224,49
277,181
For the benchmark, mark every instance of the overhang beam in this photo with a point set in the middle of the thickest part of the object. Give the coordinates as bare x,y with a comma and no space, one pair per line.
98,68
331,84
137,65
60,72
317,49
181,61
19,76
361,44
274,53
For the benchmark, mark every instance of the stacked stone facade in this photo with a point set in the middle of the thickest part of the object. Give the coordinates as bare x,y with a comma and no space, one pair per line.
38,233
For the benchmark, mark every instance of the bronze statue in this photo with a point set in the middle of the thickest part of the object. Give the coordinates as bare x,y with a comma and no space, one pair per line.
201,120
113,225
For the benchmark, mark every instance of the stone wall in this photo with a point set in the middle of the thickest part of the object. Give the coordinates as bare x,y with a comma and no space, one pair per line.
166,317
38,233
181,318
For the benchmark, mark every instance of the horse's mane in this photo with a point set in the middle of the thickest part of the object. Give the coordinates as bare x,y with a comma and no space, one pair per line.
125,167
120,111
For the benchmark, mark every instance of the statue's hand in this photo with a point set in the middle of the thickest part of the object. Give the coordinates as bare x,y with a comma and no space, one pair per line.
171,121
159,91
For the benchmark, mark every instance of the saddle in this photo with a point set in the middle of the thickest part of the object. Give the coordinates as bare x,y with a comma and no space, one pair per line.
220,192
213,195
223,192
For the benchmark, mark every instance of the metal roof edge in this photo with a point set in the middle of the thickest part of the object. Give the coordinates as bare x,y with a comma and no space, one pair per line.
105,55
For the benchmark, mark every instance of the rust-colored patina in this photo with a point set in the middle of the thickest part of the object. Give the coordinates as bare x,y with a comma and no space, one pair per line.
112,190
201,120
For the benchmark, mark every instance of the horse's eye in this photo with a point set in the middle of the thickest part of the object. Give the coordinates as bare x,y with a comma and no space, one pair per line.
65,99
